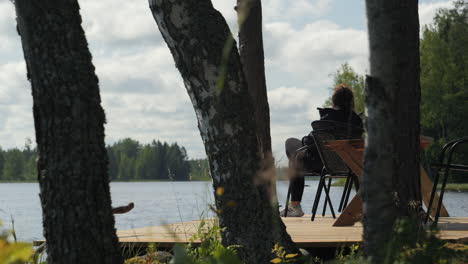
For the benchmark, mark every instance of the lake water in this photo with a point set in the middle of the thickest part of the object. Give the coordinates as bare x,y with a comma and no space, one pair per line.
155,203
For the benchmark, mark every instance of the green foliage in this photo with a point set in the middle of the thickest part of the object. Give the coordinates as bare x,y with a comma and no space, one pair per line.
345,74
14,252
351,255
199,170
205,247
18,165
411,244
152,256
457,187
210,249
282,256
444,69
128,160
444,61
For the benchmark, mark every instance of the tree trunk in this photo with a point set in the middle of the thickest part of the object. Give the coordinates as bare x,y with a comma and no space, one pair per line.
72,166
391,187
205,54
253,65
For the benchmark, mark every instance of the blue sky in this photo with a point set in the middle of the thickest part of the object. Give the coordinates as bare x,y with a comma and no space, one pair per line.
143,94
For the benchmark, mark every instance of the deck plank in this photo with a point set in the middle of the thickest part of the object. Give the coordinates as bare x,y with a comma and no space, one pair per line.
320,233
306,234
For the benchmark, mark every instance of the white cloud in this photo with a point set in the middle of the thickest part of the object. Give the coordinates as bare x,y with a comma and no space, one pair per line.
310,54
286,97
428,10
118,21
150,63
280,10
7,14
316,47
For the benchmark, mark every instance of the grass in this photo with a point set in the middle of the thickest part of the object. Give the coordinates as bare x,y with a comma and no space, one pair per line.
458,187
339,182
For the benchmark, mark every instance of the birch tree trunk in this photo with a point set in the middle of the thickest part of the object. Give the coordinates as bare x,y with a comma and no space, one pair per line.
72,166
253,65
205,54
391,187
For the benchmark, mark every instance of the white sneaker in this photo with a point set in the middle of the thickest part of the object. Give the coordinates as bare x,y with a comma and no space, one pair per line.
293,211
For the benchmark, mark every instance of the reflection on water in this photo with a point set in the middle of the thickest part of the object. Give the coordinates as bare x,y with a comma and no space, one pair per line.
155,203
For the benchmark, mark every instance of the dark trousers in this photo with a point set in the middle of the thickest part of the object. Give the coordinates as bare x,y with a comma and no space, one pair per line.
296,180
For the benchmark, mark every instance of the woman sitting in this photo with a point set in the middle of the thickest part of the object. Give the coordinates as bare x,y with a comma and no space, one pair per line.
342,112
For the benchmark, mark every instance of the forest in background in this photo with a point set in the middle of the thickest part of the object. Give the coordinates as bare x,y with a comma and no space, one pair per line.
129,160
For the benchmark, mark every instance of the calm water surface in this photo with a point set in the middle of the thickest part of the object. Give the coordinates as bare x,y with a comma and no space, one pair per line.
155,203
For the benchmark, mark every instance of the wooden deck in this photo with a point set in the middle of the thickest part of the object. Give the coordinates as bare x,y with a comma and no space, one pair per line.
305,234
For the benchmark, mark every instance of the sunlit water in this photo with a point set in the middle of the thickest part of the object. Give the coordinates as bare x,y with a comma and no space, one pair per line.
155,203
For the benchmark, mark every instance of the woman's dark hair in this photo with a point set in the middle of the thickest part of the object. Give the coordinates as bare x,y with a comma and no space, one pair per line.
343,97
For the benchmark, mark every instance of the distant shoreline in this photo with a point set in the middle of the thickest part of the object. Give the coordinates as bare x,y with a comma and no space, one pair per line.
456,187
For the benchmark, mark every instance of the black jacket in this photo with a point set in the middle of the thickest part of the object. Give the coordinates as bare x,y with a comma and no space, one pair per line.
340,116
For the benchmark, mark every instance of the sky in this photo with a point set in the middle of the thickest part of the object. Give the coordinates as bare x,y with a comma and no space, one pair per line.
305,41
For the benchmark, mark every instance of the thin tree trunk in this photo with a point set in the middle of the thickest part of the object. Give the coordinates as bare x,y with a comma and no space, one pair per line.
252,59
391,187
253,65
72,166
205,54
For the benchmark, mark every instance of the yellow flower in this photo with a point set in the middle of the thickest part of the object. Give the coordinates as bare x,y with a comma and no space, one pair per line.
219,191
291,255
275,260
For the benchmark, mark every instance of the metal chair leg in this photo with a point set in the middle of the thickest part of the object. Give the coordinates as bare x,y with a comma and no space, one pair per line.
452,145
317,196
351,182
287,201
447,170
441,196
327,190
325,203
433,192
343,196
327,199
355,181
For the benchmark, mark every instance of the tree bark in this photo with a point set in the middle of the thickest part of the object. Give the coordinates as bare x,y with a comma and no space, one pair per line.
253,65
69,123
204,52
391,187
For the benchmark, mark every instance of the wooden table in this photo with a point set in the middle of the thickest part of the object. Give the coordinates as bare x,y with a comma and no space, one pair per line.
351,152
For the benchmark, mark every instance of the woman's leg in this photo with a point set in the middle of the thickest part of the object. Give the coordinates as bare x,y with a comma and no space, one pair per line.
296,180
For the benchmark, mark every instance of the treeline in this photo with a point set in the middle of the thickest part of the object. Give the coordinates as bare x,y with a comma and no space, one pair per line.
444,91
129,160
18,165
